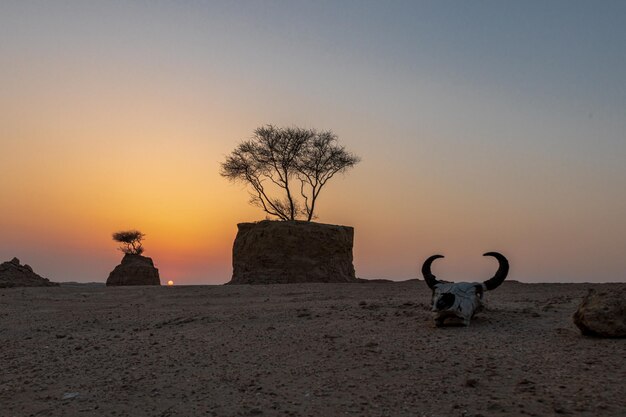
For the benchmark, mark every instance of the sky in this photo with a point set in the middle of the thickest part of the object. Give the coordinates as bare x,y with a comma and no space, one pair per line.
481,126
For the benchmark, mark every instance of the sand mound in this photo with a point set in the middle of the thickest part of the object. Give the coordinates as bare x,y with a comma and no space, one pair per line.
277,252
134,270
12,274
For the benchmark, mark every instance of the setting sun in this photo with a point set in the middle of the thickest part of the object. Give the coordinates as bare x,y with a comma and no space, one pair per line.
170,283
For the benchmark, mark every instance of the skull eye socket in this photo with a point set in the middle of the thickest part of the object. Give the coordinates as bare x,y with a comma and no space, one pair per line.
445,301
478,290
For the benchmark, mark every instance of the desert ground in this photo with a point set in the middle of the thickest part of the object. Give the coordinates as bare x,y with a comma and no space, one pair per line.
301,350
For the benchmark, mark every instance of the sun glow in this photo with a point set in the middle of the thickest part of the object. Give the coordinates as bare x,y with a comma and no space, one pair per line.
170,283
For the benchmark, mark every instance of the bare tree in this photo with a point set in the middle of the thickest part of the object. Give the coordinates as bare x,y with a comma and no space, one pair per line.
322,159
276,158
130,241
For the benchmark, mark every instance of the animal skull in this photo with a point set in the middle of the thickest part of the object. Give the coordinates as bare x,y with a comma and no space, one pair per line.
461,300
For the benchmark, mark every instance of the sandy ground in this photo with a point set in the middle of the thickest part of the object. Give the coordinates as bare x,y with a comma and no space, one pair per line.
301,350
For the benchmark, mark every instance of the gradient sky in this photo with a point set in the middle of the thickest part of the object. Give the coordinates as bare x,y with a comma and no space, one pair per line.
482,125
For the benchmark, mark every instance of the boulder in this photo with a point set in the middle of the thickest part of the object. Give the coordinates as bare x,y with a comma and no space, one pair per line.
134,270
602,313
282,252
13,274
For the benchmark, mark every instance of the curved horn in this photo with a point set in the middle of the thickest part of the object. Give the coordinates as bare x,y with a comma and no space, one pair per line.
430,279
501,273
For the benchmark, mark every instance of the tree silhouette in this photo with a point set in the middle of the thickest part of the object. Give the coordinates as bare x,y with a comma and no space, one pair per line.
130,241
278,160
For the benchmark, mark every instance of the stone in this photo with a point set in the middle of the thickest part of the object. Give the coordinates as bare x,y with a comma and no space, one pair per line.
282,252
602,313
134,270
12,274
70,395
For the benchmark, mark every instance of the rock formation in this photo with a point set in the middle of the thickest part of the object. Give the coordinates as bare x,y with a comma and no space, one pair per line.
281,252
134,270
12,274
602,313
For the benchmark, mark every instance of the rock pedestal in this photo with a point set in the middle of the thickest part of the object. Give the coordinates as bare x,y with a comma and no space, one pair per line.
134,270
12,274
282,252
602,314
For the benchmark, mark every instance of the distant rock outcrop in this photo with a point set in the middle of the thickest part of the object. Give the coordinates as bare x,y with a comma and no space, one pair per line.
134,270
12,274
282,252
602,313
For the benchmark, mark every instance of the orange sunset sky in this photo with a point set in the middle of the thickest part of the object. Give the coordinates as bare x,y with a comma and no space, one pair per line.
482,126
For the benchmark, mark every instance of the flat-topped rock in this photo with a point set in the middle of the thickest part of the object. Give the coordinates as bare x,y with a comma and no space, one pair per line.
134,270
13,274
282,252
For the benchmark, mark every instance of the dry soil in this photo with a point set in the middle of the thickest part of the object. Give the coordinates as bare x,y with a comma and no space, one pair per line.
301,350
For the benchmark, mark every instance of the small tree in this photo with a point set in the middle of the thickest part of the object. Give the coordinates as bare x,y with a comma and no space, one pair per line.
278,160
130,241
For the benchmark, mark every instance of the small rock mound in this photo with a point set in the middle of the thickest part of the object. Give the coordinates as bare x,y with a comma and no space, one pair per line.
602,314
12,274
282,252
134,270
